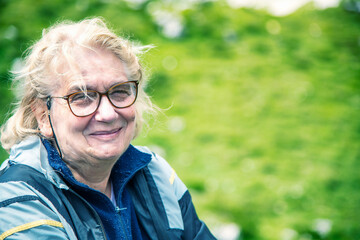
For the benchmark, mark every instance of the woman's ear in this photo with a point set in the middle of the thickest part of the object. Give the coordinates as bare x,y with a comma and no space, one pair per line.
40,111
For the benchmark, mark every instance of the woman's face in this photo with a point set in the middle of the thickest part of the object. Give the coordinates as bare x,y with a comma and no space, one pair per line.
105,134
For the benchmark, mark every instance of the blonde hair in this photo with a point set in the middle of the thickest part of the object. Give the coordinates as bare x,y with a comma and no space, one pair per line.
57,46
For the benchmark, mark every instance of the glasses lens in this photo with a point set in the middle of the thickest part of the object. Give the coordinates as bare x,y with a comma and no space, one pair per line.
123,95
83,103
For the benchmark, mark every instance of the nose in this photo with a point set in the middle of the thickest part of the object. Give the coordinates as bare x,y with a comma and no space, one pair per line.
106,111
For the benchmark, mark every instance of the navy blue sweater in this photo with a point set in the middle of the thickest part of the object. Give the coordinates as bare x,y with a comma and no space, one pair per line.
119,221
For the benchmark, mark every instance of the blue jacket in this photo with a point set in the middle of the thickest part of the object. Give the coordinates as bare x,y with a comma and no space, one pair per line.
40,197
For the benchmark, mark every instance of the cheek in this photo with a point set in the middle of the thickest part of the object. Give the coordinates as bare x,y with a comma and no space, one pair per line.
129,114
130,118
66,123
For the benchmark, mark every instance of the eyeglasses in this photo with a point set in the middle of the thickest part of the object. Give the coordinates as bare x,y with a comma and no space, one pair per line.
85,103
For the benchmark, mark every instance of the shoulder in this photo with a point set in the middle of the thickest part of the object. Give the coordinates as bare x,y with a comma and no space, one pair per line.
26,208
163,174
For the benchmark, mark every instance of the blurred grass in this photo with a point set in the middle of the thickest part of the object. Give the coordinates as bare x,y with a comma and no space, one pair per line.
263,112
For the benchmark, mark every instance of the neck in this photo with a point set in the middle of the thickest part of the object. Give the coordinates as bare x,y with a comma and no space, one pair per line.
96,176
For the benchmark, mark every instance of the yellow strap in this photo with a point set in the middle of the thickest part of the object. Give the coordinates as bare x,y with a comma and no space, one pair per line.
172,177
30,225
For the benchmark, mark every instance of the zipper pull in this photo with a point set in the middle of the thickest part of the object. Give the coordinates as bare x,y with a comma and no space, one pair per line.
118,210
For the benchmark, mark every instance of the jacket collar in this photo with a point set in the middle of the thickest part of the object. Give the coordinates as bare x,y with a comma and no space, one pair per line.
131,161
42,156
31,152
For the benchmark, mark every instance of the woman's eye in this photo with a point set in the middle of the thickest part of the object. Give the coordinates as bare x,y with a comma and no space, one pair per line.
78,97
83,98
121,91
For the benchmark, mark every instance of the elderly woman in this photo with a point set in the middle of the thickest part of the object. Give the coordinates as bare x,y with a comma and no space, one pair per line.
72,172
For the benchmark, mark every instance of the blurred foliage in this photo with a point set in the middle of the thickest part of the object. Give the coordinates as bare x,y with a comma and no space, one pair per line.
262,119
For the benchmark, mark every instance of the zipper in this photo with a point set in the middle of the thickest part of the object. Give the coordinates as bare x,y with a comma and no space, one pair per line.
118,210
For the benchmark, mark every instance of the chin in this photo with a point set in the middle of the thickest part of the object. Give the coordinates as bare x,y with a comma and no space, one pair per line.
107,153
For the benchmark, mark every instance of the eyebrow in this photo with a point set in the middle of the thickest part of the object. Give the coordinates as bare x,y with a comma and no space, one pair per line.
78,88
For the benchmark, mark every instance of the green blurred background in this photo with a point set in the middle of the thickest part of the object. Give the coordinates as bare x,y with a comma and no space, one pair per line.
262,112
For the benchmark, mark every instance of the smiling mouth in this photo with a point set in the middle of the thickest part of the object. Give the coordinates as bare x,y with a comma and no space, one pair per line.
106,134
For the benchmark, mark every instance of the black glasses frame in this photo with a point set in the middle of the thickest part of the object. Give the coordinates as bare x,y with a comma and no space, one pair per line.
67,97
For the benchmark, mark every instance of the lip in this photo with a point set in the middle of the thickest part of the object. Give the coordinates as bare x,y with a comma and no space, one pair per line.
106,134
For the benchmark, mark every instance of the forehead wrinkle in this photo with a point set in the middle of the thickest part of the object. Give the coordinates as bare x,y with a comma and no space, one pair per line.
77,74
76,85
70,76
